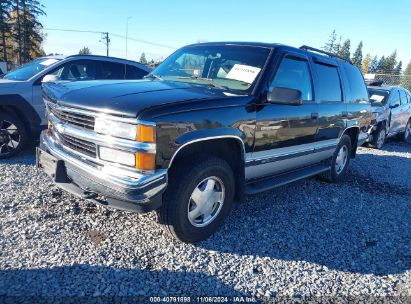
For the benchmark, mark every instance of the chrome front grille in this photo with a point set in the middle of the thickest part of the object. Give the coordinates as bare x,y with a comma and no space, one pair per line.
74,118
79,145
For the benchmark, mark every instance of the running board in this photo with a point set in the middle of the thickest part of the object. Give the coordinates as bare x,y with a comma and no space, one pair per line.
269,183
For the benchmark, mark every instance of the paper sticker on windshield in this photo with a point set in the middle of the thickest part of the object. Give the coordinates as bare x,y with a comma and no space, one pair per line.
244,73
377,98
48,62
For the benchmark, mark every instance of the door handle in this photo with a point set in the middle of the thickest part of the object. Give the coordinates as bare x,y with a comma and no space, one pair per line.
344,114
314,115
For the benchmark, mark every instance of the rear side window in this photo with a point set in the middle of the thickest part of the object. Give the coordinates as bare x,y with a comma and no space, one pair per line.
330,83
356,82
394,97
133,72
112,70
294,73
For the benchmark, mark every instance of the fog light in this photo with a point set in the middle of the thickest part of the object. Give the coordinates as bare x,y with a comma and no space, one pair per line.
116,156
145,161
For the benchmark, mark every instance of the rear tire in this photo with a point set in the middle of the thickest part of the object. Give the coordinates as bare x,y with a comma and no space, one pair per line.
13,135
379,137
199,197
339,162
407,133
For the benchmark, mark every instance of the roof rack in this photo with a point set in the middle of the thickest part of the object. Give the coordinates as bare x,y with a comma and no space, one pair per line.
309,48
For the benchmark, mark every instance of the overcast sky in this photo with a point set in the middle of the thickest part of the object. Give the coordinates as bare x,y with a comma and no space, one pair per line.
382,25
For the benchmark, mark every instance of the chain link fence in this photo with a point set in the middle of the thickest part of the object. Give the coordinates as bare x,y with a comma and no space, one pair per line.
390,79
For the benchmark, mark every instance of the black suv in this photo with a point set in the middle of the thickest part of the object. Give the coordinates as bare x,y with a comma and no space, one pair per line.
212,123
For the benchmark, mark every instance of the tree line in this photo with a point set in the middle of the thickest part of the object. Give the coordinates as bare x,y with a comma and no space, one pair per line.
20,30
368,63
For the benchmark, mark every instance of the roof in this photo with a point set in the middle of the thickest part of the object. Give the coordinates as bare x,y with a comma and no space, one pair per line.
244,43
384,87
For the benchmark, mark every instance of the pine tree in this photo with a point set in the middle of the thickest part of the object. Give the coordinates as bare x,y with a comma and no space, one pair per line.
406,78
337,46
366,64
381,65
143,59
5,6
390,63
85,51
357,57
398,68
329,45
373,65
344,51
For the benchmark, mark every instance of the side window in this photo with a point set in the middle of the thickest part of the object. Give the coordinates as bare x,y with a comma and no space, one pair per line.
394,97
133,72
76,70
356,82
329,82
294,73
111,70
404,99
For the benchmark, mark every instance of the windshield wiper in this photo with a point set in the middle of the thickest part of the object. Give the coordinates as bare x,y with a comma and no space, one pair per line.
210,81
152,76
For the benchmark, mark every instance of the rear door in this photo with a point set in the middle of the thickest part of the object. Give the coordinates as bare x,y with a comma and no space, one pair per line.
404,108
394,104
285,134
331,107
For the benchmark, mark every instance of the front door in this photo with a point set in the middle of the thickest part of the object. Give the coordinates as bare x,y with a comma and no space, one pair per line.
394,104
285,134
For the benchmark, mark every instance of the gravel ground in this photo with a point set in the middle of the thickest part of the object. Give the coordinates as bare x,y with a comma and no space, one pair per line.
309,239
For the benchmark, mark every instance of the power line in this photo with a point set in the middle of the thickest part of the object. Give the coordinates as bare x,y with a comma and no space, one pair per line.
105,36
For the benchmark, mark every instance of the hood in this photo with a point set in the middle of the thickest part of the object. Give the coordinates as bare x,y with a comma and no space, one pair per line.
125,98
6,83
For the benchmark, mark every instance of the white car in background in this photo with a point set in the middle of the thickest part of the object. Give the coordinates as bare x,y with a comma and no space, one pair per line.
22,110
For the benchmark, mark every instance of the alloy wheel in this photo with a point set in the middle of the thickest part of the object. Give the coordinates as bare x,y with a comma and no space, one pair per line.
341,159
206,201
381,139
407,135
9,137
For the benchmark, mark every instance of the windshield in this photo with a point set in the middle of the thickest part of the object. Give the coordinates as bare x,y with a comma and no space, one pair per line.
378,97
227,67
30,69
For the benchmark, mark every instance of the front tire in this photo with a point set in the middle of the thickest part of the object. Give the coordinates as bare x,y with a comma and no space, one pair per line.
199,197
379,137
340,161
13,135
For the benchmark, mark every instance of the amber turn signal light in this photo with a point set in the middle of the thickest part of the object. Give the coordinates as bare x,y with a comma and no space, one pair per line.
145,161
146,134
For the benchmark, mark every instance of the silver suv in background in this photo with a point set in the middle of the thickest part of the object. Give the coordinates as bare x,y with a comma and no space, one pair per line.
391,107
22,110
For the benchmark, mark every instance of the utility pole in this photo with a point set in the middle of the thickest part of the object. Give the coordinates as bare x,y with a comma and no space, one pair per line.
106,40
128,18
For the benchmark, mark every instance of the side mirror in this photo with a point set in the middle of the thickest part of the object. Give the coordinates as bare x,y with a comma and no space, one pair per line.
395,105
285,96
50,78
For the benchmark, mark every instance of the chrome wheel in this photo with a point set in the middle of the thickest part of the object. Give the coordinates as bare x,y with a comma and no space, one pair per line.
341,159
206,201
9,137
407,134
381,139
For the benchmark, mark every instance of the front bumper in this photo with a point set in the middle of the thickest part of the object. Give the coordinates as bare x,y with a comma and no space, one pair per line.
87,180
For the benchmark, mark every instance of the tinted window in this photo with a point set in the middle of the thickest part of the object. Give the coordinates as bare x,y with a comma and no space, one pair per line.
76,70
330,84
294,73
133,72
356,82
111,70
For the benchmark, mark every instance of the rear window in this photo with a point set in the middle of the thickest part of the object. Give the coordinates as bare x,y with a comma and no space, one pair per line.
330,83
356,82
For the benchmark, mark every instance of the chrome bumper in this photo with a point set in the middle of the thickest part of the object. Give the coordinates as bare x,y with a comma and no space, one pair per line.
106,185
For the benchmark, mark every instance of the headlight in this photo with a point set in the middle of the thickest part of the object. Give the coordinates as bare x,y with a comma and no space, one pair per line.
115,156
141,133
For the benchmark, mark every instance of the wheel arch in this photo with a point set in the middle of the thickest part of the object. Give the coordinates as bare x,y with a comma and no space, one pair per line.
231,148
353,132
